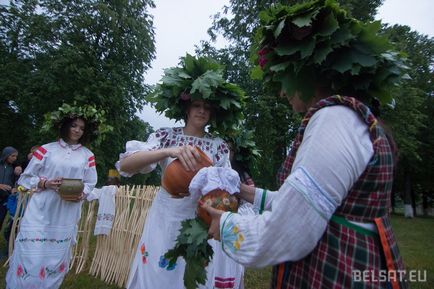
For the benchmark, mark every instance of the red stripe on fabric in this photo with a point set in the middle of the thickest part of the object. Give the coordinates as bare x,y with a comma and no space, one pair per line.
280,272
225,279
42,150
92,164
224,284
91,158
387,251
38,156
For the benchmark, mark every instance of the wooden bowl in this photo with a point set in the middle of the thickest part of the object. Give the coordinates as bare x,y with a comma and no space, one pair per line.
176,179
71,189
217,199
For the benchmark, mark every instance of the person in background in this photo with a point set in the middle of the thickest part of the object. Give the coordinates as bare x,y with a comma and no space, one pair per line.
48,229
239,160
8,177
329,220
12,200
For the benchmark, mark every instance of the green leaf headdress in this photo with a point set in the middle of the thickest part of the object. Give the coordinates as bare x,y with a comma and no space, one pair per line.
95,118
198,78
317,43
244,146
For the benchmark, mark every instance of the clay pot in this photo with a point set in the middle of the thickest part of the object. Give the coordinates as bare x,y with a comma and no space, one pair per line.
217,199
176,179
71,189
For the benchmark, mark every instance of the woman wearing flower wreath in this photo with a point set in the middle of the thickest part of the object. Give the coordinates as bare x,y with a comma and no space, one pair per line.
48,229
196,92
328,225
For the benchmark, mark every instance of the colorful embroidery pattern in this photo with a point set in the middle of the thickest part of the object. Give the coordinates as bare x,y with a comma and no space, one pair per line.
105,217
43,240
144,254
231,236
224,283
22,272
165,263
43,271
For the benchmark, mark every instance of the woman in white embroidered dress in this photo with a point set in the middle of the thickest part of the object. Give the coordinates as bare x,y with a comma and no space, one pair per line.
166,213
48,229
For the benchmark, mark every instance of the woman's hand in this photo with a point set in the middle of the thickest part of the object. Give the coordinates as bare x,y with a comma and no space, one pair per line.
247,193
187,155
79,198
18,170
5,187
53,184
214,228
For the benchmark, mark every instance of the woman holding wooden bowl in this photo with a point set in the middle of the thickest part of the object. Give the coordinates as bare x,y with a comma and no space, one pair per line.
59,176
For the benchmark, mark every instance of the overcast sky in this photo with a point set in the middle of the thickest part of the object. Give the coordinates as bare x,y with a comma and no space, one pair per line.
180,24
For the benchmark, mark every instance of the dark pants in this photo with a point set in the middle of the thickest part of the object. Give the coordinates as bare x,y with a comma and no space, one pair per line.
3,211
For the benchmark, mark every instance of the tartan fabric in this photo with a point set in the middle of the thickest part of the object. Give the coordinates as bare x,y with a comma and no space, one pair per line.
342,251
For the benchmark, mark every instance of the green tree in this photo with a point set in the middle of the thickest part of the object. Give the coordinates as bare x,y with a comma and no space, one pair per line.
266,114
86,51
414,113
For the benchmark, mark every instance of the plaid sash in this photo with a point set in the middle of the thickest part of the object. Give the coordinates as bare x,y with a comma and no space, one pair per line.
343,251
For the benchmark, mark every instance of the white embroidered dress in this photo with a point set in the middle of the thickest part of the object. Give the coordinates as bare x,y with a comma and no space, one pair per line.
164,218
48,229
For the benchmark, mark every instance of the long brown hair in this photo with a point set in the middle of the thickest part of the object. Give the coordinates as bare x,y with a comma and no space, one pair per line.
66,125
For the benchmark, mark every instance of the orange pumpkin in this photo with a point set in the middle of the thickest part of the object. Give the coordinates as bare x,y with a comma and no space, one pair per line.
176,179
217,199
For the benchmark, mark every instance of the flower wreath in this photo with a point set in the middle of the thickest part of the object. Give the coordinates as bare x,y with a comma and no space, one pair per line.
198,78
317,41
53,120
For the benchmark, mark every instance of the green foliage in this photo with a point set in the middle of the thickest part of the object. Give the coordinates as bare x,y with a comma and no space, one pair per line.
244,146
87,112
192,245
317,43
199,78
270,118
92,52
411,120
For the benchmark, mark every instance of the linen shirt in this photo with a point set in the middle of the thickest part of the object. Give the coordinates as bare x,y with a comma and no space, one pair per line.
335,151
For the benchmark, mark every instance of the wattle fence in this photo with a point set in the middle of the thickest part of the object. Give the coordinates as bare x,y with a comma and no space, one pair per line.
107,257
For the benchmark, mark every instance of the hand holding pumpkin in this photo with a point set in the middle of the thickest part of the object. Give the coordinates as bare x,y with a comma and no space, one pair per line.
187,155
176,178
215,214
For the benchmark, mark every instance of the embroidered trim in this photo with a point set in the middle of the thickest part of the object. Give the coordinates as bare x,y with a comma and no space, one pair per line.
318,198
264,195
231,236
144,253
164,263
43,240
64,145
105,217
43,272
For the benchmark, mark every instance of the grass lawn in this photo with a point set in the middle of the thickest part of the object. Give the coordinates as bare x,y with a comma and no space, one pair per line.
415,240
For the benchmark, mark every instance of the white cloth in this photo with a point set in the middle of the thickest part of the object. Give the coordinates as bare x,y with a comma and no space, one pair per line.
212,178
106,208
408,211
335,151
164,219
42,251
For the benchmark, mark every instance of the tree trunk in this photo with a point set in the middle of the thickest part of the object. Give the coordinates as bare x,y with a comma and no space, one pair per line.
393,201
413,201
425,204
408,208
